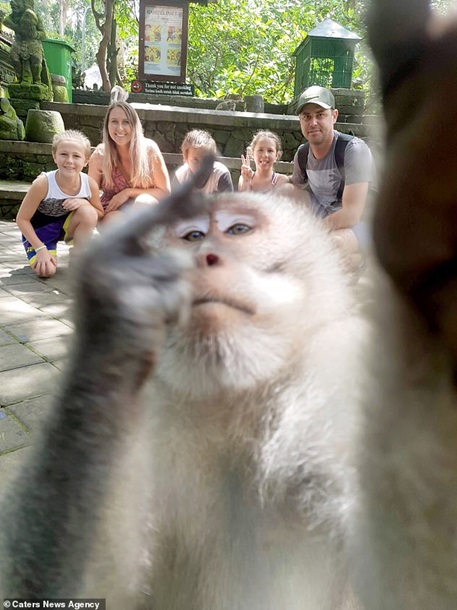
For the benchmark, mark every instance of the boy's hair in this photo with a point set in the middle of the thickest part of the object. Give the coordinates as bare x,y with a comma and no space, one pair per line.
197,138
139,152
266,134
72,134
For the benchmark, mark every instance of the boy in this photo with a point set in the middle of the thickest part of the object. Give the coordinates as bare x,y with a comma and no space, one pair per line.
197,144
63,204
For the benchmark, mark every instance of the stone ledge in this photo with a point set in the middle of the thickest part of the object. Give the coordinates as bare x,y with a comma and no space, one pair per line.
13,190
200,118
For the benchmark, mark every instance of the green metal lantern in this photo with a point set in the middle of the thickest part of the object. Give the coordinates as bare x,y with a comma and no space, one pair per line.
325,57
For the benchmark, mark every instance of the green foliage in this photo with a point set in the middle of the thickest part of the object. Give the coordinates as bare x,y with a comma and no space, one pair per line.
240,47
246,46
49,13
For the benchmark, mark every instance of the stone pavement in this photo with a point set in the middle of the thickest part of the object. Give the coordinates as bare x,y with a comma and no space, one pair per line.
35,328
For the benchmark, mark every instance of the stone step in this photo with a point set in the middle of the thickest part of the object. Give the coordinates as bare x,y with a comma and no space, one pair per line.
13,192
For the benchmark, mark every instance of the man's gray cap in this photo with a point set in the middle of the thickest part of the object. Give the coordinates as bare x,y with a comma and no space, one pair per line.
316,95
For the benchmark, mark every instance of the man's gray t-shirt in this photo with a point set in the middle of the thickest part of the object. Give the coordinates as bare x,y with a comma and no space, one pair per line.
325,179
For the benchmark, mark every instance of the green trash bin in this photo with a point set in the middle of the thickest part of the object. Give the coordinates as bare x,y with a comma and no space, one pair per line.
58,57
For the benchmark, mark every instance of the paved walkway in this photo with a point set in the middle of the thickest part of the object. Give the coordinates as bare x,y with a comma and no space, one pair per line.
35,328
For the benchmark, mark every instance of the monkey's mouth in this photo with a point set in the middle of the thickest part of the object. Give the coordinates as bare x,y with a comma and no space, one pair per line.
223,301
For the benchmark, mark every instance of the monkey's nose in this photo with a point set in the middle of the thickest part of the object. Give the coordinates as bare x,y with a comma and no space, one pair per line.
211,259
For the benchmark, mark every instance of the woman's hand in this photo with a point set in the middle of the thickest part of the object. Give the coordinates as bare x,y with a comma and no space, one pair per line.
118,200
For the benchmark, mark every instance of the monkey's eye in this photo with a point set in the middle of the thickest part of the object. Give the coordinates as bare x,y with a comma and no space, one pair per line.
193,236
238,229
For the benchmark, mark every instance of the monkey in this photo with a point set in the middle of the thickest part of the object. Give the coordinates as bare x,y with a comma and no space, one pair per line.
196,455
403,543
235,430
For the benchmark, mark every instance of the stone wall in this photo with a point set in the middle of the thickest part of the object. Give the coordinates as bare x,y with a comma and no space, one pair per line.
24,161
350,102
167,125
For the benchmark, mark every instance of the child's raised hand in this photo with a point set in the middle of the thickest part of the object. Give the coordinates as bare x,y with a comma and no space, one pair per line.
246,170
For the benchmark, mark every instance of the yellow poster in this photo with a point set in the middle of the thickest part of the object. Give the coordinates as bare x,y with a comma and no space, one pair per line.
162,40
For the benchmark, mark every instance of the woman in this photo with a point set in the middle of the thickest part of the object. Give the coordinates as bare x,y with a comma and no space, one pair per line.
128,167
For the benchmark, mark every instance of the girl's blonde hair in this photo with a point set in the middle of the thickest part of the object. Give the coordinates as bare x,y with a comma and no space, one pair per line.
139,152
266,134
197,138
72,134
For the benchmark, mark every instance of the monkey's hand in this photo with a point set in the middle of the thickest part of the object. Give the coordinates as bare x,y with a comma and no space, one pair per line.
416,221
125,301
127,296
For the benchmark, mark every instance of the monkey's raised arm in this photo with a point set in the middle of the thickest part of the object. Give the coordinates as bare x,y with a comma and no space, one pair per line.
398,45
124,300
406,451
416,222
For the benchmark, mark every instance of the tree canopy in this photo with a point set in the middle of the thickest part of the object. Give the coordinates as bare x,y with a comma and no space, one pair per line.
246,46
240,47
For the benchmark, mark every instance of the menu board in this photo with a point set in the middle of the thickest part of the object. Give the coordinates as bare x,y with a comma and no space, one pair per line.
163,31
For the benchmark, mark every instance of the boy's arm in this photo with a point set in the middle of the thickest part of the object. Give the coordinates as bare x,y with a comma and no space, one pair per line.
73,203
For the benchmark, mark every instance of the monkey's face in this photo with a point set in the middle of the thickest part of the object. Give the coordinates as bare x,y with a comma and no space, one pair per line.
253,287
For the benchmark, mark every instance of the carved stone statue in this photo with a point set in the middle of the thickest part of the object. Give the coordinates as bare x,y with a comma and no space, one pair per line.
11,127
33,81
27,50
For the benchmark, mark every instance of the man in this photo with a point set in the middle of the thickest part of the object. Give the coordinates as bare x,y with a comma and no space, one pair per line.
336,177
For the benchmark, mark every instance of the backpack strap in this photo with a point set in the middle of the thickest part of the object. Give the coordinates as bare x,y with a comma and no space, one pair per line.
302,158
340,149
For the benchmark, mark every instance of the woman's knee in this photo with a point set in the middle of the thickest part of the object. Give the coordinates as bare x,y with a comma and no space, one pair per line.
145,199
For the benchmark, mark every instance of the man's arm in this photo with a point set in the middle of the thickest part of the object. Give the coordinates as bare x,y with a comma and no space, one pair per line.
353,202
359,171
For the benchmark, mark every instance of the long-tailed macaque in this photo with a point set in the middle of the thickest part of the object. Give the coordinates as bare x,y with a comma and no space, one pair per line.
196,458
404,535
234,432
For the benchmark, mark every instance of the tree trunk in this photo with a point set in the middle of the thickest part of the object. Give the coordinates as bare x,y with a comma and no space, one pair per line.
112,54
103,22
62,17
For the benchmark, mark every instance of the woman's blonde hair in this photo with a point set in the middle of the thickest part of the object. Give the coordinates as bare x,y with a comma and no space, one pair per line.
139,152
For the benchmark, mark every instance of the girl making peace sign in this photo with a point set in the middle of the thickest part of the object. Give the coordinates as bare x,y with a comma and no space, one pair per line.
265,149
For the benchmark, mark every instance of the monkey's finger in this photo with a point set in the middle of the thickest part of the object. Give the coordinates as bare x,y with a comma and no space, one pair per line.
180,204
397,47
